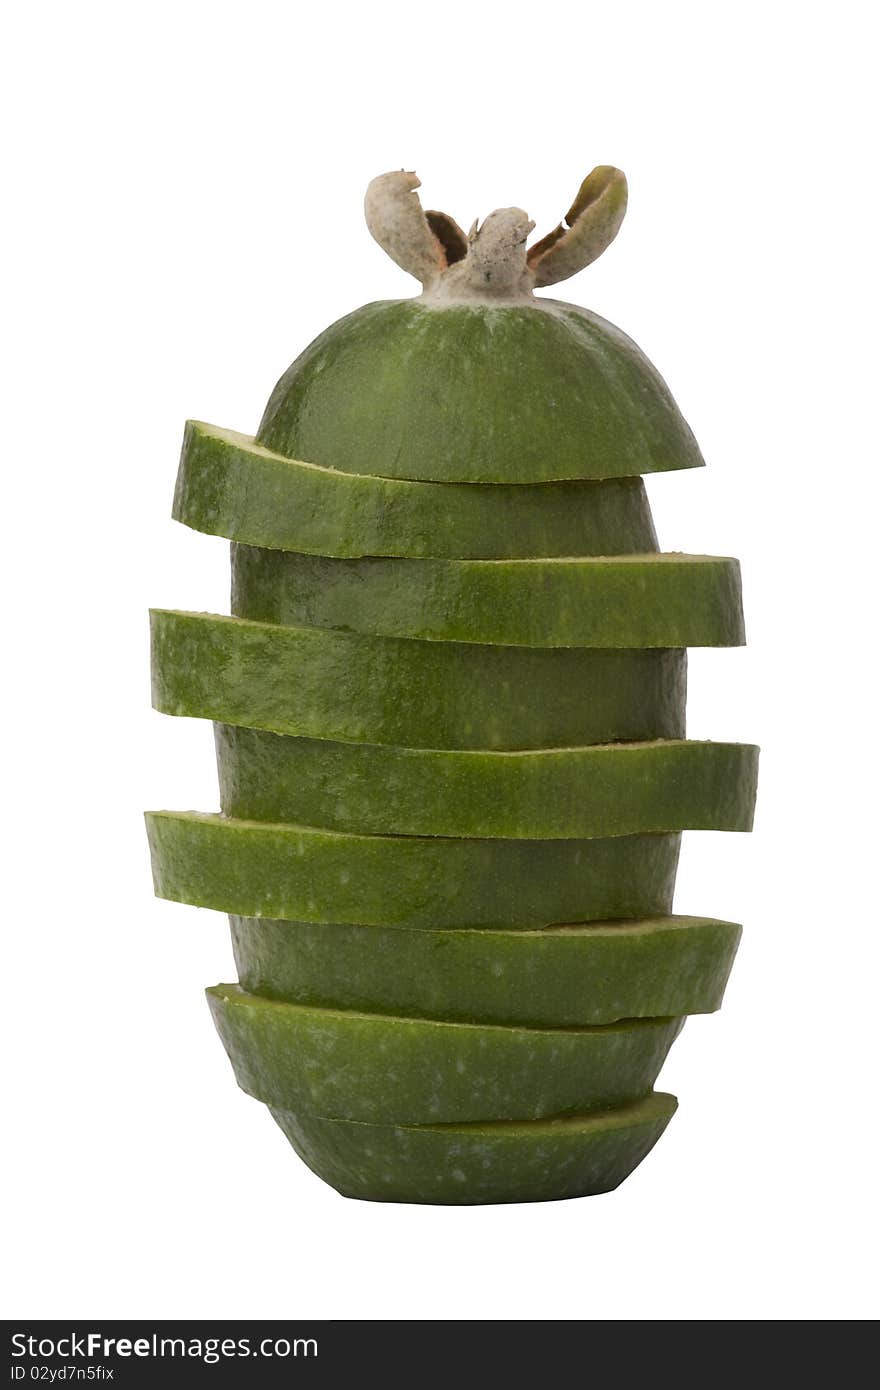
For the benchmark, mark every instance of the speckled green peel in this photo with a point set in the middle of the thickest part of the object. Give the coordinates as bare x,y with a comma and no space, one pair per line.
256,870
228,485
385,1070
586,974
530,393
630,601
617,789
325,684
462,1165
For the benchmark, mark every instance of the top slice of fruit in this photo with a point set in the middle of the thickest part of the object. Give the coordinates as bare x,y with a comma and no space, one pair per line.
477,380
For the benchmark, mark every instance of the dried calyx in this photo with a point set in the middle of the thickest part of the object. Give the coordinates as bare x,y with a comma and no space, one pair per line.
492,260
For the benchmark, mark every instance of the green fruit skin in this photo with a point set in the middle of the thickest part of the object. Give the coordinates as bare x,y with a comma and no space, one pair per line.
465,1165
477,394
385,1070
631,601
324,684
302,874
621,789
577,975
228,485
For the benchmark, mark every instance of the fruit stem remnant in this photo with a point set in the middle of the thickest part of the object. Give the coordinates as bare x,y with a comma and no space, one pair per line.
492,262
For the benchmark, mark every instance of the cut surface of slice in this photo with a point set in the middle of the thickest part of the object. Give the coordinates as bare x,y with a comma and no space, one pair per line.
391,1070
252,869
336,685
470,1164
570,793
477,392
658,600
229,485
586,974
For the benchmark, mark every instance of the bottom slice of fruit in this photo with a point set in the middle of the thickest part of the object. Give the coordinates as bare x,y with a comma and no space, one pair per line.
470,1164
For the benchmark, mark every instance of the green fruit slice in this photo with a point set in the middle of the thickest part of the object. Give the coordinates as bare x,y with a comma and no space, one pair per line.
463,1165
628,601
584,974
335,685
617,789
386,1070
228,485
477,393
293,871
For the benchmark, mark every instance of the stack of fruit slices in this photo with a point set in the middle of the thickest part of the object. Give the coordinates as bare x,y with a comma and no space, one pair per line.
449,713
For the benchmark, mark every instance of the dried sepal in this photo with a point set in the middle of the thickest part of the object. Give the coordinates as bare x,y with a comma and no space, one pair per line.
396,220
591,224
449,235
537,250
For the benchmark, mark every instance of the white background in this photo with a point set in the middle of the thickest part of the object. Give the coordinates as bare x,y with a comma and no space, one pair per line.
183,214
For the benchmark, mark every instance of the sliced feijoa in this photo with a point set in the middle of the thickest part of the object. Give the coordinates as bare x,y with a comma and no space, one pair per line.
229,485
658,600
588,973
389,1070
466,1164
254,869
337,685
480,393
606,789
